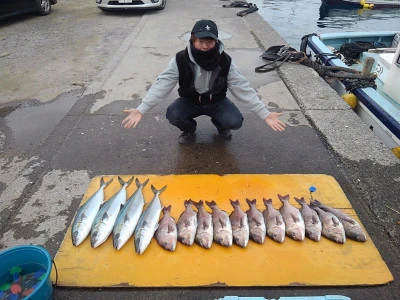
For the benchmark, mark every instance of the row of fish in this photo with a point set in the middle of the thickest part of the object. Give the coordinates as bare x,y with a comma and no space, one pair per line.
118,215
126,217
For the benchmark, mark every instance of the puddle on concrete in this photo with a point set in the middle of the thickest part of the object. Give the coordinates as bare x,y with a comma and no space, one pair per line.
30,126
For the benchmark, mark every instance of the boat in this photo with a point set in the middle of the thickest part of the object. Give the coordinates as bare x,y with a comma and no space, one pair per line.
378,106
365,3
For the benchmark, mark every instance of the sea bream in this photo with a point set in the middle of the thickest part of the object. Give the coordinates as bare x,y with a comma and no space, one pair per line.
87,213
311,220
148,222
187,224
221,225
294,223
257,227
240,225
332,228
105,219
128,216
352,229
204,232
167,234
273,222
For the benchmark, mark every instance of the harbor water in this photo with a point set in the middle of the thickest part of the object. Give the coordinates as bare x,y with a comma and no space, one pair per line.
293,19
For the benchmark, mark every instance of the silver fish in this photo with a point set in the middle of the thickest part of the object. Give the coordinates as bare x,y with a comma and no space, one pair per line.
351,227
87,213
204,232
257,227
148,222
274,222
221,225
294,222
128,216
311,220
332,228
105,219
187,224
166,234
240,225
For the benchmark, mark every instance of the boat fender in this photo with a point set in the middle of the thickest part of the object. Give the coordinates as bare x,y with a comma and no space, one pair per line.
351,100
396,151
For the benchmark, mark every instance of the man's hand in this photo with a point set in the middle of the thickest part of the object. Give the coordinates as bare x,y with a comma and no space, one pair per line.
133,119
273,121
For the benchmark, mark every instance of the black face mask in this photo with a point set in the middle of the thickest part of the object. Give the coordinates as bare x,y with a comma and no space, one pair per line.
208,60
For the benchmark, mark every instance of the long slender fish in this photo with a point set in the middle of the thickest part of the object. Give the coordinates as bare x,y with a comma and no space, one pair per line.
128,216
167,234
274,222
148,222
311,220
87,213
332,228
221,225
240,225
257,227
105,219
351,227
187,224
294,222
204,232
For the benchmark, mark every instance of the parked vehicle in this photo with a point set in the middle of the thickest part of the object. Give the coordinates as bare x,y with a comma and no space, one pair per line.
130,4
9,8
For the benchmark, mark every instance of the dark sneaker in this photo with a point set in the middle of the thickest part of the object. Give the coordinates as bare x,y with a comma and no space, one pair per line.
225,134
187,137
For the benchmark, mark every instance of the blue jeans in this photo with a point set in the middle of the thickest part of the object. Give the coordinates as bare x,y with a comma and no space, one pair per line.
224,114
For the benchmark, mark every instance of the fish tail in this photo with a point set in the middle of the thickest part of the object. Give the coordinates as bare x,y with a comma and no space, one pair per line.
267,201
155,191
283,198
105,183
166,209
211,204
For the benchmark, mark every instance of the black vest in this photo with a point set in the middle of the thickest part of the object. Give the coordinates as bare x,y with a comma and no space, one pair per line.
218,81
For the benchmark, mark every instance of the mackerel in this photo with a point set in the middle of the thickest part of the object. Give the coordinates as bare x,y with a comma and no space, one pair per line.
87,213
128,216
105,218
148,222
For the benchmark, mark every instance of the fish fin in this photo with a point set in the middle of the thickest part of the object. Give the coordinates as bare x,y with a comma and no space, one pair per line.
295,218
205,225
242,222
130,180
126,218
108,182
222,222
279,221
171,228
145,223
105,216
121,181
83,216
315,219
335,221
121,206
187,223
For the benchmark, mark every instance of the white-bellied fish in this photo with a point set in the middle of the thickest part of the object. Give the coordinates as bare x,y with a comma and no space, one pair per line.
352,229
294,223
167,234
332,228
204,232
187,224
221,225
274,222
311,220
108,213
87,213
240,225
257,227
128,216
148,222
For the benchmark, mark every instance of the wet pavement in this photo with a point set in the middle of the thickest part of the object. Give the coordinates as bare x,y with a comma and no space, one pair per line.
46,169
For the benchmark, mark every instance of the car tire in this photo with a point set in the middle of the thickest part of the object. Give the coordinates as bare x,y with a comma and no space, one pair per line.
43,7
163,4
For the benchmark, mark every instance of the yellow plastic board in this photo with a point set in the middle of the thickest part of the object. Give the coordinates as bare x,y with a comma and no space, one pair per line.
296,263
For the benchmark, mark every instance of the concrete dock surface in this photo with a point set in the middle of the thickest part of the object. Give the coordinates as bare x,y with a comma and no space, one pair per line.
41,189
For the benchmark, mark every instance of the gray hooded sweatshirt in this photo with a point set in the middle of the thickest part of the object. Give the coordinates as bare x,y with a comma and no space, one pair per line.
238,85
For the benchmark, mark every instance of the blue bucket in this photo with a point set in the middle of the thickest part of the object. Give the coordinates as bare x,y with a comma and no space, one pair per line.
29,260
